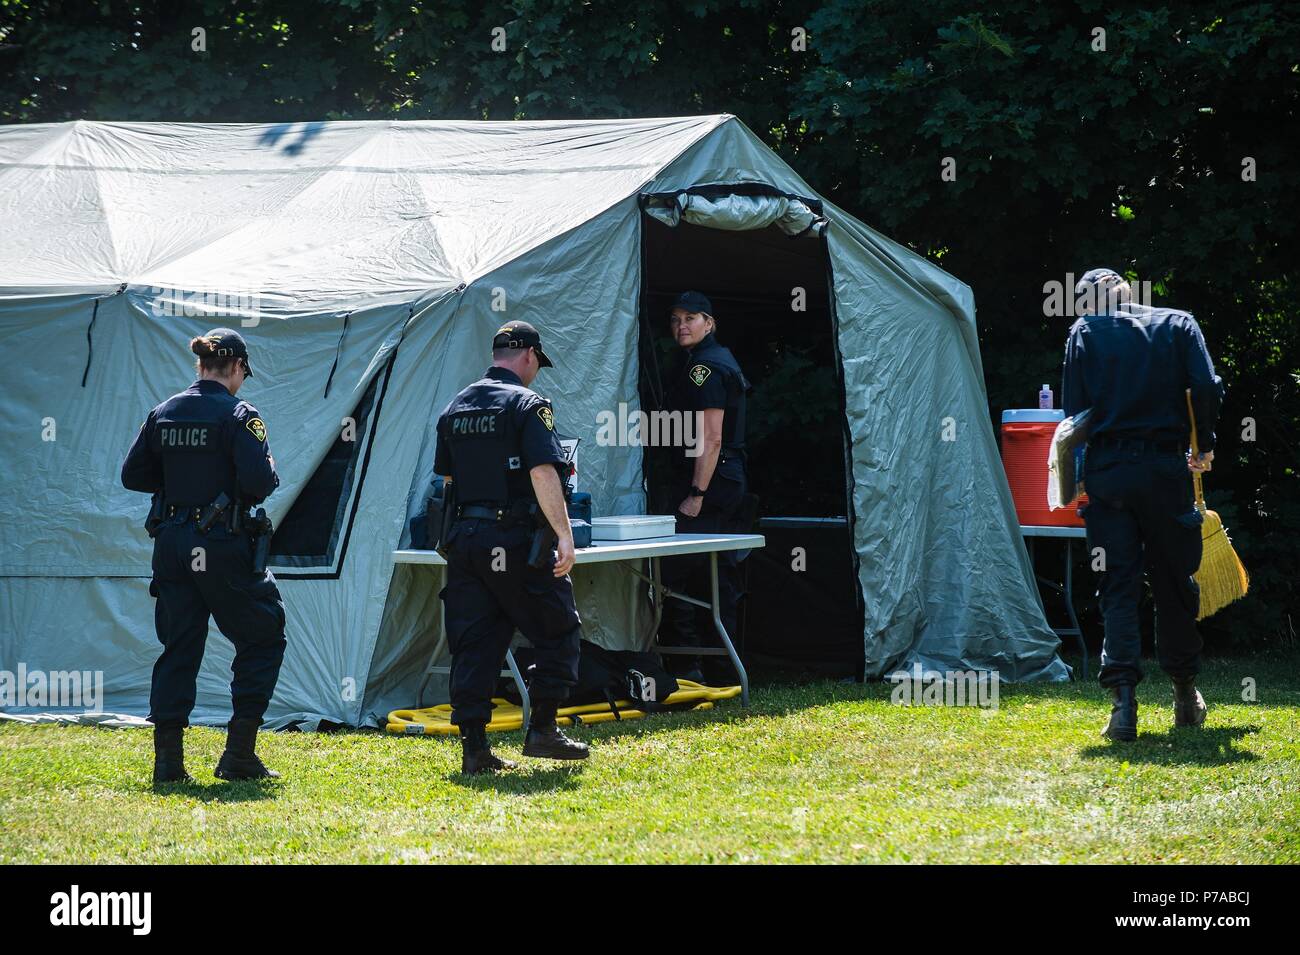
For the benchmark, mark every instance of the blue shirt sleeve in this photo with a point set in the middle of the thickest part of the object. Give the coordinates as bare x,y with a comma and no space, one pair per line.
1074,393
1207,387
539,441
705,388
441,455
142,469
254,470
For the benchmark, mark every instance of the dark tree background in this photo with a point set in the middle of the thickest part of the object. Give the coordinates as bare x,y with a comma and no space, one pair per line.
1066,156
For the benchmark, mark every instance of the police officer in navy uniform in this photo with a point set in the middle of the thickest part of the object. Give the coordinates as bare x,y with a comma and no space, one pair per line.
1132,365
193,448
498,447
708,480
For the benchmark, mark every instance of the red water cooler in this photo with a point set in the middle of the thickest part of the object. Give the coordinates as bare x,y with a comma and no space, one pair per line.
1026,443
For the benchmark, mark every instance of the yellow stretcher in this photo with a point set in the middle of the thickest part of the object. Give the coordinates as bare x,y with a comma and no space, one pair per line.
510,716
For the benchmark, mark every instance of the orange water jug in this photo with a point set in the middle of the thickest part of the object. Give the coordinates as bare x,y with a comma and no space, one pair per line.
1026,443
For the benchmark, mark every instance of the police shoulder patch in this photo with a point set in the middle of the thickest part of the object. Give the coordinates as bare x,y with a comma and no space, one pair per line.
548,418
258,427
699,374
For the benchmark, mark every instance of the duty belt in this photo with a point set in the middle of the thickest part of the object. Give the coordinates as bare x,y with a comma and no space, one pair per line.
505,512
194,512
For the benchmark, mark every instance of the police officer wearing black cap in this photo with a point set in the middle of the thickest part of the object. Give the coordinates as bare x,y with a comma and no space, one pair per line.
498,448
709,480
1132,366
204,455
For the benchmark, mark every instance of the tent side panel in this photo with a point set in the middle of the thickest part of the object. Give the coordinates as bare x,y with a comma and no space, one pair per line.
945,578
102,626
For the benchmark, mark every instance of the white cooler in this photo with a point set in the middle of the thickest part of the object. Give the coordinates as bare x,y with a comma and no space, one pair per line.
632,527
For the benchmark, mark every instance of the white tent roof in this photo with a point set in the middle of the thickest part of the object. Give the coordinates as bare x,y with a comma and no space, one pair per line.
309,214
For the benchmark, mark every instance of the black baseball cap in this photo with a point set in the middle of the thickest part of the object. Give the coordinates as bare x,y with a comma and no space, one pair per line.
231,344
694,302
521,335
1097,277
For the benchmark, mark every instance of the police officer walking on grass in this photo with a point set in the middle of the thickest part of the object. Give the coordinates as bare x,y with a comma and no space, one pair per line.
500,454
1132,366
203,454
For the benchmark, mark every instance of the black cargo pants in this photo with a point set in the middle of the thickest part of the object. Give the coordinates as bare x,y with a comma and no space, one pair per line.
492,591
197,576
719,514
1142,515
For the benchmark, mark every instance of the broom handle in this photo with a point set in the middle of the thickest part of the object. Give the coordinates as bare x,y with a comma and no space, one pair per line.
1196,475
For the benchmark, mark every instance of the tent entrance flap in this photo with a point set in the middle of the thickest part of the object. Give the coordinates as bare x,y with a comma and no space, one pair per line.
771,297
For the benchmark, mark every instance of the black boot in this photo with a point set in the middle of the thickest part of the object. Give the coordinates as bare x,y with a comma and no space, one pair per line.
239,762
1189,705
476,755
691,669
1123,724
169,755
544,737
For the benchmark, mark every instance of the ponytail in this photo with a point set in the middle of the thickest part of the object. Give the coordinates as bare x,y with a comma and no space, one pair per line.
205,347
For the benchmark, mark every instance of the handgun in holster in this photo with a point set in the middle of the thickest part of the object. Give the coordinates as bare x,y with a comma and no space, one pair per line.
449,508
213,512
543,541
157,510
544,538
260,529
542,545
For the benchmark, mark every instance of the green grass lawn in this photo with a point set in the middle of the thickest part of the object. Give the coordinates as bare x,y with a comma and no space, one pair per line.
820,772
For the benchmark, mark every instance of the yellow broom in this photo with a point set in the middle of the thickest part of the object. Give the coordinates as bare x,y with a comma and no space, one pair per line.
1221,576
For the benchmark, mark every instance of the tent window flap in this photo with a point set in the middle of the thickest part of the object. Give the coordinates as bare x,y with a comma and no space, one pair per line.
310,534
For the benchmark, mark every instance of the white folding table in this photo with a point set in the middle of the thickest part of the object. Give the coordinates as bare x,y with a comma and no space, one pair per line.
651,550
1066,587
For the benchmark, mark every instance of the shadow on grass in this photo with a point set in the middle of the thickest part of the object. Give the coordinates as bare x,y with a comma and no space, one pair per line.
526,778
1180,746
775,699
253,790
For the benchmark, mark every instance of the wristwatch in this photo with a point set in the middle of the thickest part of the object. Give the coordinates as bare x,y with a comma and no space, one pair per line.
694,492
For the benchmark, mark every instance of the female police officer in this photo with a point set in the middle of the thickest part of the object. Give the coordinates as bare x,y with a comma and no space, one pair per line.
204,454
709,477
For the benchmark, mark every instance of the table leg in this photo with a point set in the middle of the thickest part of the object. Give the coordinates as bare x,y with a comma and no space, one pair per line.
722,631
1069,602
1066,590
657,589
520,685
431,668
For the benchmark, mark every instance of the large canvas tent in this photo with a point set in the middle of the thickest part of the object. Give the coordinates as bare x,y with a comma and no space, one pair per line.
368,264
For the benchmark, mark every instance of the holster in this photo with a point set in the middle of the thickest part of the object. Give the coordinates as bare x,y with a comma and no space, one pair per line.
260,529
542,543
214,512
544,539
449,508
157,511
